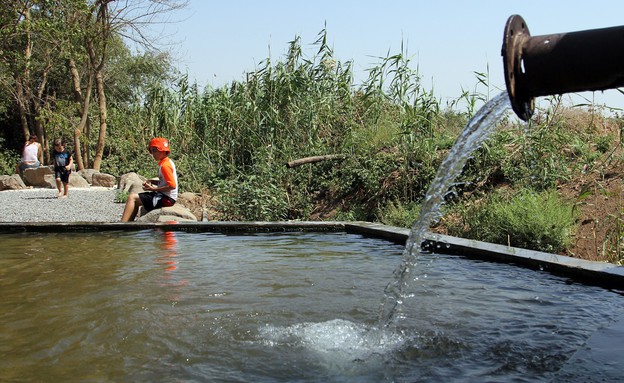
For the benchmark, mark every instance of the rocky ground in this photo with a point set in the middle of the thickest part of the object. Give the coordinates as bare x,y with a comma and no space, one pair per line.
92,204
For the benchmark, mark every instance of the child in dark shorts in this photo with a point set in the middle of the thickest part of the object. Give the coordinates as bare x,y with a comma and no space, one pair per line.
63,162
147,200
160,193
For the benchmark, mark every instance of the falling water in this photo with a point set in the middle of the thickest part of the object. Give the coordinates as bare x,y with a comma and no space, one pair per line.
477,130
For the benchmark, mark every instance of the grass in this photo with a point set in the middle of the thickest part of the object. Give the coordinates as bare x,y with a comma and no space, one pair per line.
121,196
540,221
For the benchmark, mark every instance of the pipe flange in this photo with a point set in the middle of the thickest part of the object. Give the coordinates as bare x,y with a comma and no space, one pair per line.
516,34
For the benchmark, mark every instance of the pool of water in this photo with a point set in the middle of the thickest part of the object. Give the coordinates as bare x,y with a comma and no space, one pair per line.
277,307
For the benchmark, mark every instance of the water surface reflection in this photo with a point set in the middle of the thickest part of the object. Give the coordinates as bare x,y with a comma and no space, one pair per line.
175,306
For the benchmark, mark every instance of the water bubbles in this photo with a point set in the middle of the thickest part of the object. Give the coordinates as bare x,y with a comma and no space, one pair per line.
338,339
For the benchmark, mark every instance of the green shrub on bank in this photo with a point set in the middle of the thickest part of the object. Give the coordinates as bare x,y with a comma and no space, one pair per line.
399,214
121,196
540,221
252,197
8,160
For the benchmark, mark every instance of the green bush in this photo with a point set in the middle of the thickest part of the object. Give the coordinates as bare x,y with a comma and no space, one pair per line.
399,214
8,160
252,198
354,213
538,221
121,196
603,143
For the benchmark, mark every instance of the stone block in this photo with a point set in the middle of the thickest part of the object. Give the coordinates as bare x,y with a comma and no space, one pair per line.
13,182
176,213
77,181
103,179
37,177
131,183
50,181
87,174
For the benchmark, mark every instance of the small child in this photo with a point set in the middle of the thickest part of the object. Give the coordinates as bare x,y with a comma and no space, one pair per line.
161,193
63,162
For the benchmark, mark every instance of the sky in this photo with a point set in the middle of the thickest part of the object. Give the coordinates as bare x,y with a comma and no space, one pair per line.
447,41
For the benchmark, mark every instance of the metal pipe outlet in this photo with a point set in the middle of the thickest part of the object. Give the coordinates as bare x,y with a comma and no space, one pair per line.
559,63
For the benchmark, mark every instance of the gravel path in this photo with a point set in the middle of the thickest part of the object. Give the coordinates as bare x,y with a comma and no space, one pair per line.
93,204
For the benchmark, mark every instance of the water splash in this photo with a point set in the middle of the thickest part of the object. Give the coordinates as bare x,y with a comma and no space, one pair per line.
341,341
477,130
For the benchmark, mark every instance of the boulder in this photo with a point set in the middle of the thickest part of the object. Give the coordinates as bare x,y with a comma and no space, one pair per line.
50,181
13,182
76,181
87,174
131,183
193,202
43,177
177,213
172,219
187,198
103,179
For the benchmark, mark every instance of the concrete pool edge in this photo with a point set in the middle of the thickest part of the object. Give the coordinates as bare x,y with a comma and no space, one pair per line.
601,273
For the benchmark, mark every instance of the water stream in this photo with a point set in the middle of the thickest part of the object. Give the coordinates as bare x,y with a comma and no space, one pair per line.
477,130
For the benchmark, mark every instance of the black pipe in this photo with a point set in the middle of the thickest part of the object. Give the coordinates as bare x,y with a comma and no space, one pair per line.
559,63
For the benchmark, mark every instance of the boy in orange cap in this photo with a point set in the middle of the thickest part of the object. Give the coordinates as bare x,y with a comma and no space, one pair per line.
162,193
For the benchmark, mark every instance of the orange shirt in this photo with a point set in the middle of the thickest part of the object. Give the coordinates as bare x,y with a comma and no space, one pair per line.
167,175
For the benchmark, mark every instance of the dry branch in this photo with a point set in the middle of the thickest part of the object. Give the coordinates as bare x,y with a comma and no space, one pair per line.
313,159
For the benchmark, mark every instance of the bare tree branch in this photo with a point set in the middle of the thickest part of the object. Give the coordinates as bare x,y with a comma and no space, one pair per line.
313,159
134,19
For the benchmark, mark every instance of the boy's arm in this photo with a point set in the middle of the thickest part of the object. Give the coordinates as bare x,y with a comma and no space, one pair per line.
147,185
70,162
170,180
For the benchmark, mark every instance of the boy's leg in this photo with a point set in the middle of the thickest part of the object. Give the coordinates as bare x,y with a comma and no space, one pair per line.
132,207
65,188
58,187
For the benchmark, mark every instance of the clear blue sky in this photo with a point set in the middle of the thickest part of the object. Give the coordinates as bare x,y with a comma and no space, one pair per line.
448,40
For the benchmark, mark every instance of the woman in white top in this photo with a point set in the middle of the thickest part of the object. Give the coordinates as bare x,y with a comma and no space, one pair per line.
31,155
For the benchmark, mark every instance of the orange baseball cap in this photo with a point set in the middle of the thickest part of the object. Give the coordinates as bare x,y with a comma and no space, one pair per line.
162,144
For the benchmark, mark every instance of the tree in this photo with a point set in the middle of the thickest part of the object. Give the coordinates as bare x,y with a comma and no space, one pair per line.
30,37
70,40
107,20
